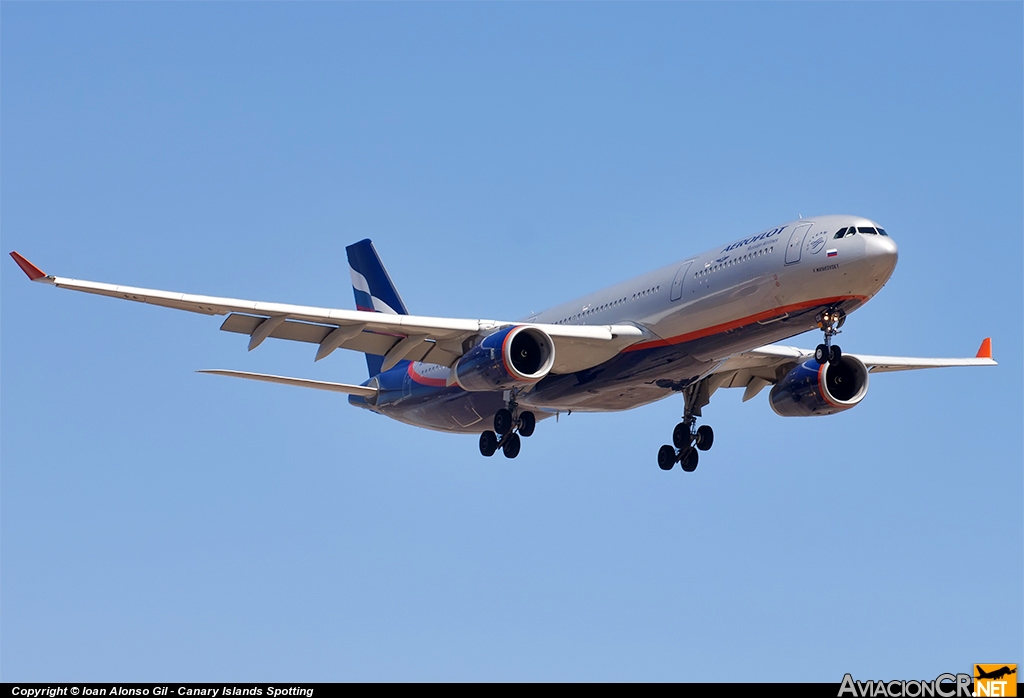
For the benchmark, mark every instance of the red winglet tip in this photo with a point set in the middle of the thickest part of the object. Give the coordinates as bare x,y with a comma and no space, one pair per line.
31,270
985,350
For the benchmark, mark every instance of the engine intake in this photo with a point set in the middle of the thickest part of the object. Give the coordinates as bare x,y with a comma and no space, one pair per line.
811,389
513,357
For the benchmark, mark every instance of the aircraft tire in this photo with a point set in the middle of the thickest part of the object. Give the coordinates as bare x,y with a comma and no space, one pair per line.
834,354
821,354
689,460
681,436
512,446
666,457
705,437
488,443
502,421
527,423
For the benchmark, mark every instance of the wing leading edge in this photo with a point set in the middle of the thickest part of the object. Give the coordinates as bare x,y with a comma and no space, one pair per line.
395,337
755,369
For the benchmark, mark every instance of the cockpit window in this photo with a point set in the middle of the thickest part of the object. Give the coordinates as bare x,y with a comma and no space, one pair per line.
839,234
882,232
867,231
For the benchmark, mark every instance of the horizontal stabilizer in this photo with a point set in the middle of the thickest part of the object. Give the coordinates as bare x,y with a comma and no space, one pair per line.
301,382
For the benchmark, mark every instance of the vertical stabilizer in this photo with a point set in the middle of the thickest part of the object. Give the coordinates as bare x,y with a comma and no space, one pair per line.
373,289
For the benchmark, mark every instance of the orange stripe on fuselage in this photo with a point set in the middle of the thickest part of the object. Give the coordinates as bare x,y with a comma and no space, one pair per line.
741,322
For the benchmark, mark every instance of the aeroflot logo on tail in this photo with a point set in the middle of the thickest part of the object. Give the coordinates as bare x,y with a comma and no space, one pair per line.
750,241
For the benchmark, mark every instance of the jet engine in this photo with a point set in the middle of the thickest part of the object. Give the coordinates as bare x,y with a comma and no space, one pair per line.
814,389
513,357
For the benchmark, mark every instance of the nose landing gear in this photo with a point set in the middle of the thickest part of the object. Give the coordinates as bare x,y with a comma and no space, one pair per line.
688,440
829,320
509,425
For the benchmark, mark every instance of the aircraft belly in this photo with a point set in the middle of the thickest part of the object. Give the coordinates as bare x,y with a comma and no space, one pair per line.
451,410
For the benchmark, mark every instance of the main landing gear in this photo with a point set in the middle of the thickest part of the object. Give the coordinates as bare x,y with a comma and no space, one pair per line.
687,439
509,425
829,320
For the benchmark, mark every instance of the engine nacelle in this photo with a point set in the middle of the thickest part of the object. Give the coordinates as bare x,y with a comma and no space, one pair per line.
513,357
811,389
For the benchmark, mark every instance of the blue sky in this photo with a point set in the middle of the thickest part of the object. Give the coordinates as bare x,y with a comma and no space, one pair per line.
158,524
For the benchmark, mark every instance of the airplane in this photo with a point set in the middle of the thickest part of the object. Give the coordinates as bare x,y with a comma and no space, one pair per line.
706,322
996,674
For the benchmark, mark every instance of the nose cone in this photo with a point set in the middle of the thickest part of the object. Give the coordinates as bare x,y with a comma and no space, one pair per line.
881,253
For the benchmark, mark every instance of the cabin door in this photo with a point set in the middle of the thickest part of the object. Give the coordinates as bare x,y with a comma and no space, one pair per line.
796,243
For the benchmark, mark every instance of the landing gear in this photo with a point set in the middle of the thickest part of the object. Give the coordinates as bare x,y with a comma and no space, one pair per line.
503,421
705,437
527,423
666,457
512,446
488,443
829,321
686,438
688,461
509,425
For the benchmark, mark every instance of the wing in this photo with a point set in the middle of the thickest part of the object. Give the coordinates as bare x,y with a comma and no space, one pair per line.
395,337
755,369
360,390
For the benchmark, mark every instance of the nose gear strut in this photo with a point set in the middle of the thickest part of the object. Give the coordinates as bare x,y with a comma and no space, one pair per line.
829,321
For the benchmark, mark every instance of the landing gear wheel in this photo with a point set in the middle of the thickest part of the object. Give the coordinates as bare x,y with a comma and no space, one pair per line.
689,460
511,447
681,435
821,354
666,457
503,422
527,423
834,354
488,443
705,437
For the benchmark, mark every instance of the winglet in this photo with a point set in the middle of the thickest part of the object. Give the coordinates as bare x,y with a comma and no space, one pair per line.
31,270
985,350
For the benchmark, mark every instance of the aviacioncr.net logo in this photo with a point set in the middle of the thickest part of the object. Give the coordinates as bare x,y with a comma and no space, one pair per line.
943,686
995,680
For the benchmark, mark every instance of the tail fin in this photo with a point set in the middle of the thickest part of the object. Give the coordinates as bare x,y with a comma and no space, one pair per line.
373,289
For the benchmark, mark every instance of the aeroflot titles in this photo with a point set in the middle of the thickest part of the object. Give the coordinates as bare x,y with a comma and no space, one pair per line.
750,241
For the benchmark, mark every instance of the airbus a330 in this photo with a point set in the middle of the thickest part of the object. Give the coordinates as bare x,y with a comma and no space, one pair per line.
707,322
